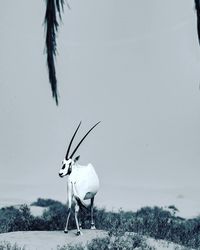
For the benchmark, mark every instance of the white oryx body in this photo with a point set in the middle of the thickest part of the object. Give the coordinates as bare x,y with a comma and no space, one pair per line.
82,183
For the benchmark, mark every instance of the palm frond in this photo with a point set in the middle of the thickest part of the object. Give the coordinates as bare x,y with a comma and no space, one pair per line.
197,6
59,6
53,8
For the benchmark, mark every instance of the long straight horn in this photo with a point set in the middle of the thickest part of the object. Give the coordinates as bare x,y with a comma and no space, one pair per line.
66,157
83,139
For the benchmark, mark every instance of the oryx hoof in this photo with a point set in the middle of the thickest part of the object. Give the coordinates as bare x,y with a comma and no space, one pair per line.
79,233
66,231
92,227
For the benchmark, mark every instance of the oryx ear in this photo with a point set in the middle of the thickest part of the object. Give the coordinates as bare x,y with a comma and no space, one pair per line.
77,158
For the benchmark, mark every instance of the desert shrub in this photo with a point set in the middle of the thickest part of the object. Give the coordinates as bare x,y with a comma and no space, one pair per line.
8,246
45,202
154,222
173,209
99,243
13,219
55,217
161,224
124,242
129,241
71,247
39,224
105,220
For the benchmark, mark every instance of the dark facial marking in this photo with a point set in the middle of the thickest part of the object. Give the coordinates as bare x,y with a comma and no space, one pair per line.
69,169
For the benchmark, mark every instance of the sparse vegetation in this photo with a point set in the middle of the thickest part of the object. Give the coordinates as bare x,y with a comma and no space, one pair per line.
45,202
14,219
152,222
114,243
8,246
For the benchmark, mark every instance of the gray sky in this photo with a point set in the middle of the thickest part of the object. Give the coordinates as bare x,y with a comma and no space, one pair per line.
134,65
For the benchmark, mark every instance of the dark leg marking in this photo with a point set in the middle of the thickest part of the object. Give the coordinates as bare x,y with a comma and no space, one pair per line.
92,211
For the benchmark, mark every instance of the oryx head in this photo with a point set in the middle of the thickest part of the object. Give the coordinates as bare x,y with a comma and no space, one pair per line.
68,161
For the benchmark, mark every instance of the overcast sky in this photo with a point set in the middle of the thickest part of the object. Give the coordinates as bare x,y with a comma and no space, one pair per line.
134,65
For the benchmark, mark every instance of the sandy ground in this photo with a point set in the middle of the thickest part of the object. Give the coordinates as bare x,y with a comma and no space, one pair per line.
52,240
164,245
47,240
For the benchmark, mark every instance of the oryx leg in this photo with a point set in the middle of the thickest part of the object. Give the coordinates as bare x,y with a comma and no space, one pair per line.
69,204
76,219
68,215
92,211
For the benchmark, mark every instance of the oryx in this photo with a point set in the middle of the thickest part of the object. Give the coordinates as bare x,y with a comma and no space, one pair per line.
82,182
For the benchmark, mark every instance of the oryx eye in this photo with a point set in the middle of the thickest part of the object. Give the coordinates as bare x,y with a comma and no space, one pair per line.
63,167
